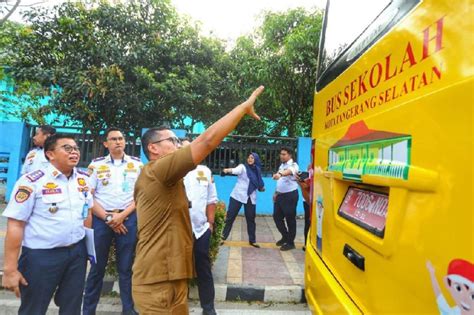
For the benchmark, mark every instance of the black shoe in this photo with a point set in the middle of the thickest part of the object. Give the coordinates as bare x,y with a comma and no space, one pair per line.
254,245
287,246
209,312
281,242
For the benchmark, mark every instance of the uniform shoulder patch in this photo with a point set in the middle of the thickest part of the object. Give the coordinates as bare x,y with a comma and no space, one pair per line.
23,193
85,173
35,175
135,158
31,154
98,159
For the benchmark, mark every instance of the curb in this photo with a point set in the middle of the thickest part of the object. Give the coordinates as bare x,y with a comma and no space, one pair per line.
236,293
250,293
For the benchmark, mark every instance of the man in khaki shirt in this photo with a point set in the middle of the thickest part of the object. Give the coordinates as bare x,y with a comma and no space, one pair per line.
164,259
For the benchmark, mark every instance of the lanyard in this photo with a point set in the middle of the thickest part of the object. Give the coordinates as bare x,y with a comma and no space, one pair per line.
85,208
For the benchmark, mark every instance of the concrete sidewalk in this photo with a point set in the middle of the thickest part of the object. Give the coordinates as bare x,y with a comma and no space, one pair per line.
242,272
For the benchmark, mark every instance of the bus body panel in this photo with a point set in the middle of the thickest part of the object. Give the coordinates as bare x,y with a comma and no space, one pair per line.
397,122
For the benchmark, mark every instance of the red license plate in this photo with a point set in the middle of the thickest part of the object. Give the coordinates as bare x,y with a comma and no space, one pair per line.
365,208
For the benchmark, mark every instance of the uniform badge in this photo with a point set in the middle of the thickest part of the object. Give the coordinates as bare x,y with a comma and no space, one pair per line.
22,194
51,189
130,167
201,176
81,181
53,209
104,168
55,173
31,157
35,175
90,170
105,182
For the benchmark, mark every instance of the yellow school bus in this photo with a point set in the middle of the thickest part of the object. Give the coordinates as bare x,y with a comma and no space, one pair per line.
392,223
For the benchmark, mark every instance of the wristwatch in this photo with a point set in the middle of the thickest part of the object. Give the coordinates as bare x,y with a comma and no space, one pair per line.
279,172
108,218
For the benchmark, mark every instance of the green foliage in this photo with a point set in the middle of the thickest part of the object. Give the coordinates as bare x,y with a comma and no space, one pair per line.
140,64
131,65
216,237
282,56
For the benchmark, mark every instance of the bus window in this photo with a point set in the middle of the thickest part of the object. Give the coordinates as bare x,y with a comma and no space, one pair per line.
350,28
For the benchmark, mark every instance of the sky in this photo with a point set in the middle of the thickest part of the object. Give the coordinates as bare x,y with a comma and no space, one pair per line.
225,19
229,19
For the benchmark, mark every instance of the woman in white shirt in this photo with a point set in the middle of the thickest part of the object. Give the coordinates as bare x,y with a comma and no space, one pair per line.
245,193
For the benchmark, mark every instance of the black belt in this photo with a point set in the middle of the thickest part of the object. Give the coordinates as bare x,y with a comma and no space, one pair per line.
115,210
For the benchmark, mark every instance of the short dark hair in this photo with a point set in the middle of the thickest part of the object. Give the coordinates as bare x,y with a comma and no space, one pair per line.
47,129
150,136
109,130
288,150
50,143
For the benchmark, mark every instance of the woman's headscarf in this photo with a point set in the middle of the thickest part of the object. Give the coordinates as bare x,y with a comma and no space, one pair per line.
254,173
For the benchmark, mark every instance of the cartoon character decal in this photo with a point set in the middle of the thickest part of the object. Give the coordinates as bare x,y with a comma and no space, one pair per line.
459,281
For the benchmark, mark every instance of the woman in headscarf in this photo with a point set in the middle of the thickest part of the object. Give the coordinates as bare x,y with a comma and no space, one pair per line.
249,180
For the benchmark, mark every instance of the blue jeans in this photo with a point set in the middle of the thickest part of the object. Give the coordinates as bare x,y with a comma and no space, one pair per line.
61,270
125,252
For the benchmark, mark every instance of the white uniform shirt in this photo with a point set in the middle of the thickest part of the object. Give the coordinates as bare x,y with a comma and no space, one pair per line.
52,206
240,190
287,183
201,191
35,160
114,183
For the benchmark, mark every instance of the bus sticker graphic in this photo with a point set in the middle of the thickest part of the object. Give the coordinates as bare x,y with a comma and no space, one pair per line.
362,151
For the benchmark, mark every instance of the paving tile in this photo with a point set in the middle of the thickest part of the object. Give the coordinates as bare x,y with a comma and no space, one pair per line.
265,269
219,269
265,254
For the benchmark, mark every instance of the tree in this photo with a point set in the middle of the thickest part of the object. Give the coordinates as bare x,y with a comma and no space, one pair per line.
282,55
133,65
7,11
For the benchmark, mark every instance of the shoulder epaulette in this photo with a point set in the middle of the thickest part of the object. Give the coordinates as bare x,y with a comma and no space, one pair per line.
35,175
79,171
135,158
98,159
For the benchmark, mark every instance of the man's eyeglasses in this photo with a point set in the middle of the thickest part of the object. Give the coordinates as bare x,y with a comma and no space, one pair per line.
116,139
69,148
175,140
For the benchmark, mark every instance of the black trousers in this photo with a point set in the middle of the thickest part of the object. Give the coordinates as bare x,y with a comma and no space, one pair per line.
204,272
234,208
285,210
307,220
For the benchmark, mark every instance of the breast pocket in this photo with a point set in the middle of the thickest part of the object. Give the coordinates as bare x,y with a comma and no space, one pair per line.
203,187
131,179
53,202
